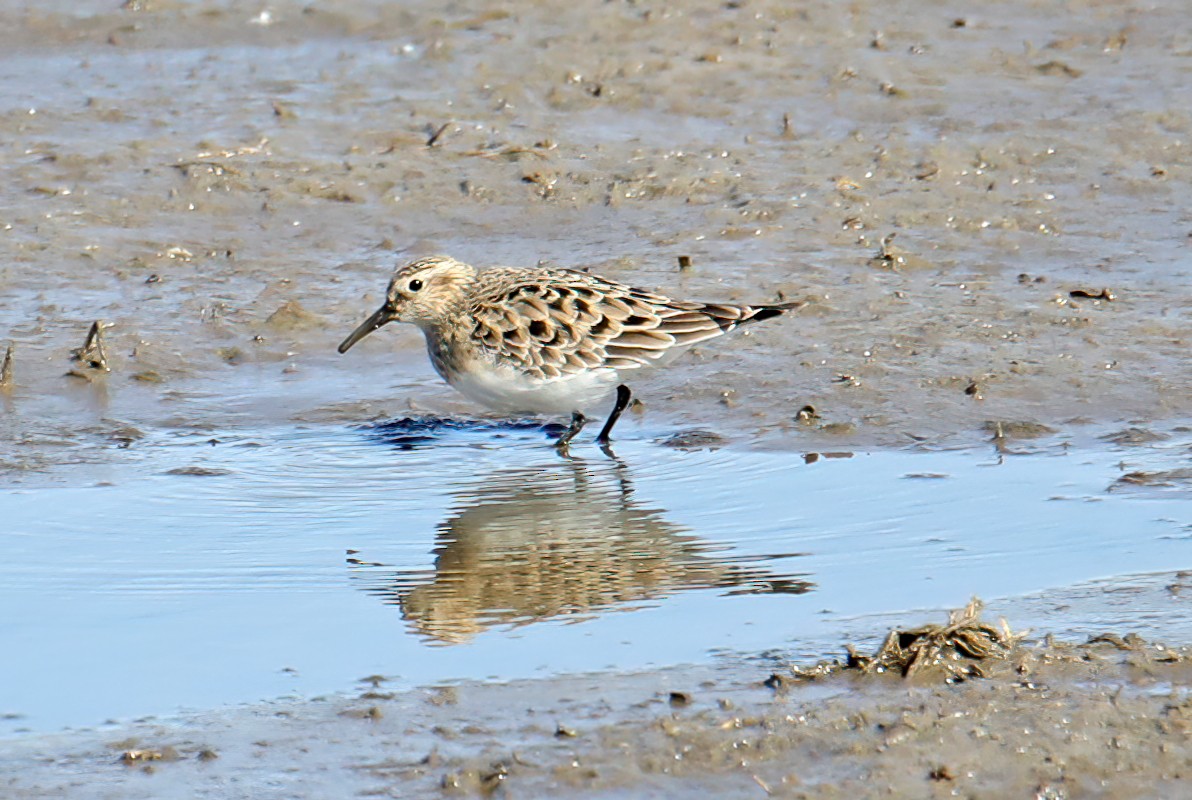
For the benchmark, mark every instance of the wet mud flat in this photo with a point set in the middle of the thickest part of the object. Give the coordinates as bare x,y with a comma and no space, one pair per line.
982,209
965,707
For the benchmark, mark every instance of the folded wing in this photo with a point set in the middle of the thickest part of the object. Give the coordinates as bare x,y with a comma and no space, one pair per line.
561,322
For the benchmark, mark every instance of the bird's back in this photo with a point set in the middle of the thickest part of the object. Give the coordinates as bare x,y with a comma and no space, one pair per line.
552,323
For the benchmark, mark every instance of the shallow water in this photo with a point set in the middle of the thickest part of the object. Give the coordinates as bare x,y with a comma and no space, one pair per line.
221,568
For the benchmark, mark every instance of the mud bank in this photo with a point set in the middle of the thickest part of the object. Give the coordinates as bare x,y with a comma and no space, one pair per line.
227,191
1110,718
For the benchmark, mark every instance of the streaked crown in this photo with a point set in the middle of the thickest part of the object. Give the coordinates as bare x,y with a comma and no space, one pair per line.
426,291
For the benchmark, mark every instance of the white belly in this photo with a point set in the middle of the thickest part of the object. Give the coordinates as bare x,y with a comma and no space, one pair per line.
507,391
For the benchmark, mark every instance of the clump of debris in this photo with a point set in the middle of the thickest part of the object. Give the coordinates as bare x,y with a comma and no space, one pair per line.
959,650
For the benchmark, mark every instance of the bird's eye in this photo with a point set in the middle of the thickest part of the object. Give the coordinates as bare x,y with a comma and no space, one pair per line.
415,285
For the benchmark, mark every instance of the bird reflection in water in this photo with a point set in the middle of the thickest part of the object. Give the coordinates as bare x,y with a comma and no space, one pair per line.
563,540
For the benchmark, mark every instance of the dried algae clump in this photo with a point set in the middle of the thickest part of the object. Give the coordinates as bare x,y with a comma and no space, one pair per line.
957,648
961,650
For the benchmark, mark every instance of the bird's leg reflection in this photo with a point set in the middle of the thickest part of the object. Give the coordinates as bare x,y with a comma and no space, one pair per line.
566,539
616,467
621,470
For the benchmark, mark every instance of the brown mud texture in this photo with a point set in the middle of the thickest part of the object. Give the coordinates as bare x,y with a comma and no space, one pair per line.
981,715
984,208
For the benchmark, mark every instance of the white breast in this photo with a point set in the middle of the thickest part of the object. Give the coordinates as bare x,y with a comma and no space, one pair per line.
509,391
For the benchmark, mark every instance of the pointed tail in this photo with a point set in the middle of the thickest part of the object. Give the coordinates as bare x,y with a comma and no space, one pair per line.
768,311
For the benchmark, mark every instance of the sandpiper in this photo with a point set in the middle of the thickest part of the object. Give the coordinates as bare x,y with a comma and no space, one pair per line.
545,340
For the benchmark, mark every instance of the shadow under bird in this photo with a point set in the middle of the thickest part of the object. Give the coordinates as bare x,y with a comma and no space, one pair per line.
545,340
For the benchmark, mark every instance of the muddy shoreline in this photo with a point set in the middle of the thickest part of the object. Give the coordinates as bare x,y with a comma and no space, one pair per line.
1110,717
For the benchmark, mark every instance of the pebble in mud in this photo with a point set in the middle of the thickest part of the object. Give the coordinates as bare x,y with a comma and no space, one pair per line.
143,755
1093,294
679,699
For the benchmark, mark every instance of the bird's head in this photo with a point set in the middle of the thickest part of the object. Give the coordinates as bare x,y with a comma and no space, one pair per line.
425,293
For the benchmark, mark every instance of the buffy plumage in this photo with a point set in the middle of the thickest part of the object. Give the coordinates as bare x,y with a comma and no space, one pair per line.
542,340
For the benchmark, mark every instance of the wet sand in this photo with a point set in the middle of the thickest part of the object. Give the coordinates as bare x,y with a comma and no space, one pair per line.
227,190
1111,718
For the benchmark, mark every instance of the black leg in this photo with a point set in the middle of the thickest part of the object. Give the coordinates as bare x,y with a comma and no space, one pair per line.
623,395
578,421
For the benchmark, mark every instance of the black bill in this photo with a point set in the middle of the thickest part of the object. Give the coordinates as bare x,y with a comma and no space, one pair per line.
382,316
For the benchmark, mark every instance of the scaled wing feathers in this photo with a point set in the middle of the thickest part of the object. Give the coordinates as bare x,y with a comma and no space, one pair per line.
552,322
